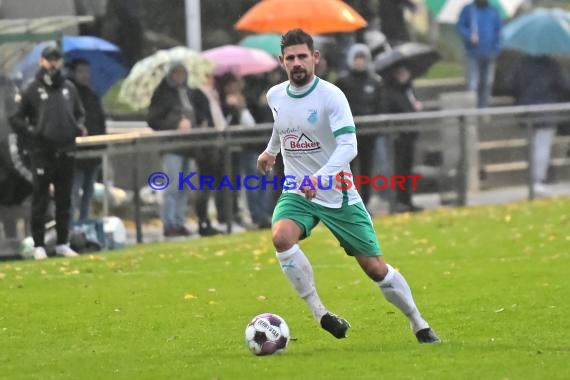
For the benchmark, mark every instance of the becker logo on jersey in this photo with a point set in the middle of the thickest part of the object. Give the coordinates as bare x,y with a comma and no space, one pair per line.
295,143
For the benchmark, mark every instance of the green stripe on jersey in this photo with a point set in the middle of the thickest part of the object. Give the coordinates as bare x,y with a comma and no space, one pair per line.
306,93
343,130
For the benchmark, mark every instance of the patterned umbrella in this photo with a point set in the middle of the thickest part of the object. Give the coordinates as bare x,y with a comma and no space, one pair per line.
447,11
137,89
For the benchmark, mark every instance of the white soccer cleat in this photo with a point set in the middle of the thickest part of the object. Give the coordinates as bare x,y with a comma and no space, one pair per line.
39,253
65,251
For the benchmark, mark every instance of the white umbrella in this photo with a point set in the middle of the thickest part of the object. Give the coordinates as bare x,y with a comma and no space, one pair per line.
137,89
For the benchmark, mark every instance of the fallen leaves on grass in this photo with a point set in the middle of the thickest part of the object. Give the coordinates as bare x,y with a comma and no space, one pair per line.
97,257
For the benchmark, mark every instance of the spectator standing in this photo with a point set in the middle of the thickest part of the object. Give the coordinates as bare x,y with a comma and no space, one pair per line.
362,88
206,101
540,80
50,114
86,169
175,106
171,109
399,98
236,112
479,26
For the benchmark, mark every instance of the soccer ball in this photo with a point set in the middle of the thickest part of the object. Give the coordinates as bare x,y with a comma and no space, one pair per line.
266,334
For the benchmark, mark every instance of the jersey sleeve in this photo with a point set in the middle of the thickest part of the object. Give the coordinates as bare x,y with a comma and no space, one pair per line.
346,150
340,115
274,145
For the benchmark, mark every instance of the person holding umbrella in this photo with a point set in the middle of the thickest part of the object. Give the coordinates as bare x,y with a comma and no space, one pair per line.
399,67
174,106
540,79
479,26
537,77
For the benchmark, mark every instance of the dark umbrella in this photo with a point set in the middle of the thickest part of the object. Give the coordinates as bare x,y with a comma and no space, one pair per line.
418,58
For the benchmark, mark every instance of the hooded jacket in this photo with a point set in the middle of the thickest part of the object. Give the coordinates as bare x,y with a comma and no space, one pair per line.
167,106
362,88
49,112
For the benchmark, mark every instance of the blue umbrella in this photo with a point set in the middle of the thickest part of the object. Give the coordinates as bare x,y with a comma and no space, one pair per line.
541,32
104,58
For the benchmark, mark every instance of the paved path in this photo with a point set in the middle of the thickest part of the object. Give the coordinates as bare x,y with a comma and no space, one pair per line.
428,201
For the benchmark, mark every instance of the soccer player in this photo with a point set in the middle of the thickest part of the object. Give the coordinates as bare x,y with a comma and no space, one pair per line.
314,131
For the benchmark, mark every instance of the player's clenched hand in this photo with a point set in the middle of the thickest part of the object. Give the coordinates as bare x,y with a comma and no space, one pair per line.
310,191
265,162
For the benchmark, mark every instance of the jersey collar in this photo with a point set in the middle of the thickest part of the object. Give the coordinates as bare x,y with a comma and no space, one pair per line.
302,95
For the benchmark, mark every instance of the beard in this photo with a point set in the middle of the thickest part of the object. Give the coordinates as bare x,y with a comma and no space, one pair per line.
299,77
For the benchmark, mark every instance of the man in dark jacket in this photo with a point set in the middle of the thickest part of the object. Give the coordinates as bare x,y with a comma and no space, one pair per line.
86,169
540,80
399,98
362,88
174,106
50,116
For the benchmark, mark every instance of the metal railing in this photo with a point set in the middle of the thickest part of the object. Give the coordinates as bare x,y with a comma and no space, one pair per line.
138,141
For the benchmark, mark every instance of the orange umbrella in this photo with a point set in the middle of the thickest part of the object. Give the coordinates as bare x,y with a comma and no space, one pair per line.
313,16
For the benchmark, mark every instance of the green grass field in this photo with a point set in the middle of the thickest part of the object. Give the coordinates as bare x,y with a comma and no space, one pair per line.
493,281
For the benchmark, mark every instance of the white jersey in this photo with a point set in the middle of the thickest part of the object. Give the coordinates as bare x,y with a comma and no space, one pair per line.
306,130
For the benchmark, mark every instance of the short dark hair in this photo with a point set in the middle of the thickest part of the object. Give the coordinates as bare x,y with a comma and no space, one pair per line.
76,62
297,37
51,52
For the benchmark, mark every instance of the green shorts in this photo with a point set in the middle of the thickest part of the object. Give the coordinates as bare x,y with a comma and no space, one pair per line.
350,224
